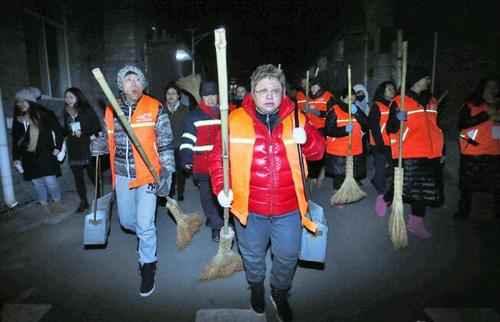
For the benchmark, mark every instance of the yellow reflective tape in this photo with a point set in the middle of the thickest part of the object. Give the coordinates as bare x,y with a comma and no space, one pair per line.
144,124
203,148
189,136
206,122
242,140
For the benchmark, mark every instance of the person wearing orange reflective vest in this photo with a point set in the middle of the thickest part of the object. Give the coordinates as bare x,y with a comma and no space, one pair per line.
380,143
422,149
479,126
316,109
198,139
265,180
300,97
135,187
337,131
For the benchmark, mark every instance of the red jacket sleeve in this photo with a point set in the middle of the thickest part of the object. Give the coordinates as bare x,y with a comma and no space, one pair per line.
314,148
215,165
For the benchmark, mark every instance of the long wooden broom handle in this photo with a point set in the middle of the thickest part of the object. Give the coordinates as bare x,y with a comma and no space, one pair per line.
121,116
403,98
220,49
349,101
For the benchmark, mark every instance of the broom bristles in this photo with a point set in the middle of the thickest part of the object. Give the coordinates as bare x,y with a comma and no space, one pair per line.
186,229
191,84
349,192
226,262
397,226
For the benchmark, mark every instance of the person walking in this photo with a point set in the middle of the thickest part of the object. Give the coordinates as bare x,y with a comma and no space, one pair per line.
422,150
36,142
200,129
269,202
80,124
177,114
479,126
380,143
337,131
135,187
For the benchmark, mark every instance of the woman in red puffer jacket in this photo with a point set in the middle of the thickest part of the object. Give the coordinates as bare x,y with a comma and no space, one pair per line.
266,182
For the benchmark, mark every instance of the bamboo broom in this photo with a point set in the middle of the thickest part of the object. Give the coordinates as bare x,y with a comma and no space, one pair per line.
349,192
226,262
187,224
397,226
191,84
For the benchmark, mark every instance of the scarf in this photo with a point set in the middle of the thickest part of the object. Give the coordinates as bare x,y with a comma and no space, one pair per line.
33,130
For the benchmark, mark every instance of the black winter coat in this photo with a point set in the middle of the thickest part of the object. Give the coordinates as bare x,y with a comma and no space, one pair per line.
42,162
79,147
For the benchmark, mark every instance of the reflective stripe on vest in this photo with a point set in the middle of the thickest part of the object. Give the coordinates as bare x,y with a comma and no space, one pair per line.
241,147
481,133
339,146
320,104
143,122
384,116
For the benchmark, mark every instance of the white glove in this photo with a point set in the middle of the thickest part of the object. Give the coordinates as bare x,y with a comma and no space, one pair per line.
299,135
225,201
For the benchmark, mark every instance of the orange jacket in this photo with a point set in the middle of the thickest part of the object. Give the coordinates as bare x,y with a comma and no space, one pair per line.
481,133
320,104
301,100
384,115
241,145
143,122
422,137
339,145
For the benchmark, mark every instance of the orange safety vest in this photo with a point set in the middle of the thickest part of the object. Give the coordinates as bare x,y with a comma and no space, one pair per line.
339,146
481,133
143,122
384,116
320,104
241,147
301,100
422,137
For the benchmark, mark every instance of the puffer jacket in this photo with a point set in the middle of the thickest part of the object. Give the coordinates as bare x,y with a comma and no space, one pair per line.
271,188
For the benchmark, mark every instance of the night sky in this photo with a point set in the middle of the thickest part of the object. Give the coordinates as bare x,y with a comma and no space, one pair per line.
294,32
286,32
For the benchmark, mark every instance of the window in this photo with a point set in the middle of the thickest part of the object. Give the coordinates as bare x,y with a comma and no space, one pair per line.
47,50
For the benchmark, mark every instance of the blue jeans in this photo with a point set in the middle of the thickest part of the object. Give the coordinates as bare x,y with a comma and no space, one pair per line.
137,210
45,186
285,234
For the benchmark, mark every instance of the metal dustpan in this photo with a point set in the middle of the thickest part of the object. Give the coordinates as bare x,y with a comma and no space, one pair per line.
96,223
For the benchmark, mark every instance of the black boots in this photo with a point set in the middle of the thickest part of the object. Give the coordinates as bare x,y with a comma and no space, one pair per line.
279,298
148,271
257,301
83,205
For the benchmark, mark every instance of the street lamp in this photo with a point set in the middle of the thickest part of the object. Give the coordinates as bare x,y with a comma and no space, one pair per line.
194,41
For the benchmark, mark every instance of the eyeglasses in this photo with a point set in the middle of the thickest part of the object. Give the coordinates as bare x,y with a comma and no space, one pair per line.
274,92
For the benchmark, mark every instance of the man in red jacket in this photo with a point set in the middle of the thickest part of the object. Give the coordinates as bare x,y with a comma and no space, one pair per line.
266,182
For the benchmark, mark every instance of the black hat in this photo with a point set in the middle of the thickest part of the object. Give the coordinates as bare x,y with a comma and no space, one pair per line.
315,81
208,88
415,73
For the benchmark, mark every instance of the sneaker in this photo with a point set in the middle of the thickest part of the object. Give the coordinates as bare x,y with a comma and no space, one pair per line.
148,278
257,301
279,298
58,206
46,212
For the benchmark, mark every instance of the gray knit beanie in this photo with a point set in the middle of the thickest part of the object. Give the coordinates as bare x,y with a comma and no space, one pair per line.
127,70
29,94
